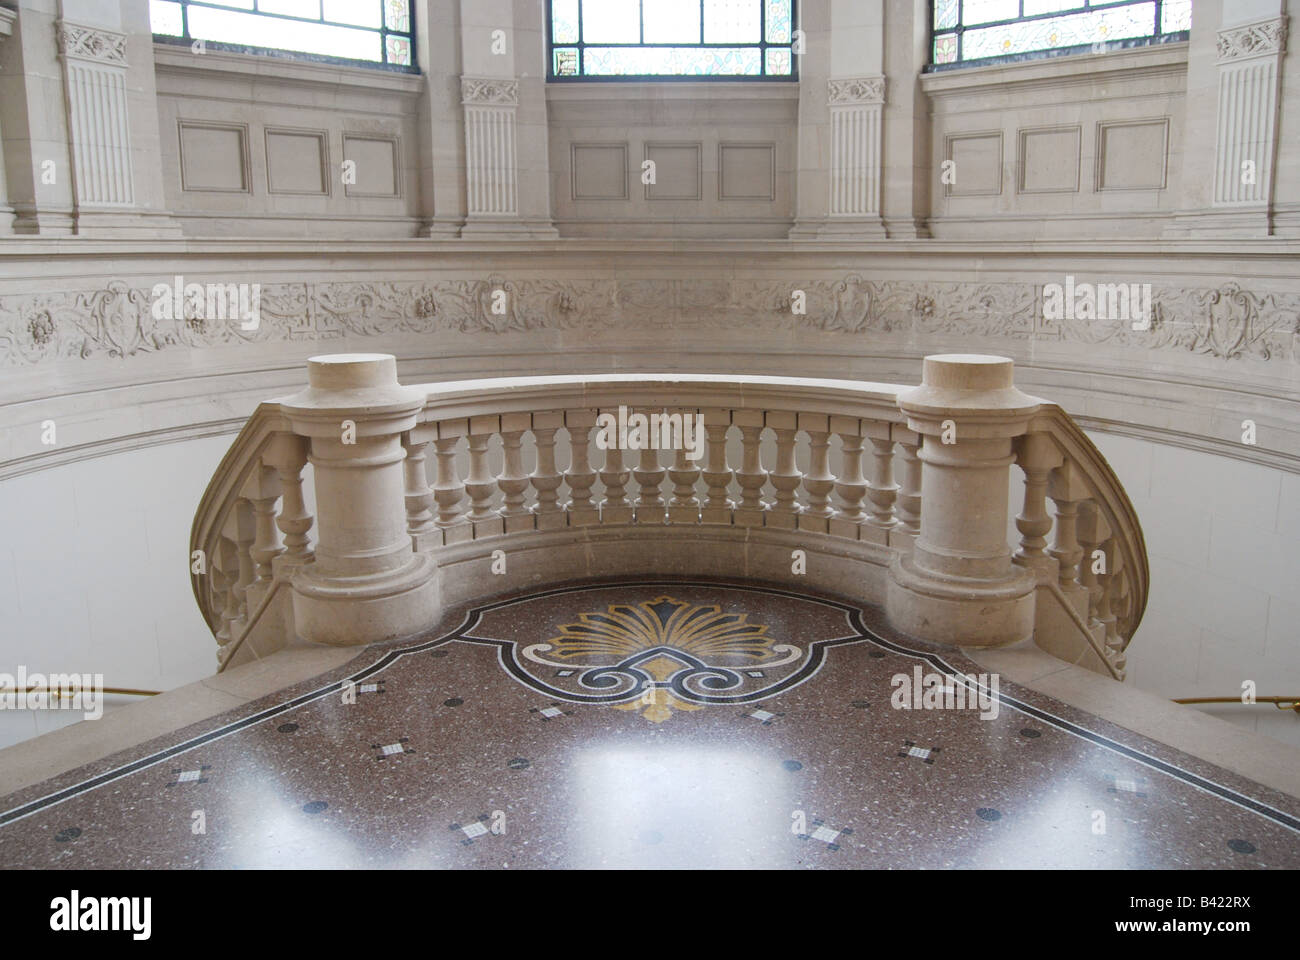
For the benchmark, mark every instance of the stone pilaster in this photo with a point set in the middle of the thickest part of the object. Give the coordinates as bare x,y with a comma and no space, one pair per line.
7,18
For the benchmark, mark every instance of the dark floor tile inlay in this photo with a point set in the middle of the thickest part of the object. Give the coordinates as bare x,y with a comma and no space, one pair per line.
654,758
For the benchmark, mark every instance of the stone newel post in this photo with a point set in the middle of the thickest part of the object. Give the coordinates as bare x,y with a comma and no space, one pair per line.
366,583
959,585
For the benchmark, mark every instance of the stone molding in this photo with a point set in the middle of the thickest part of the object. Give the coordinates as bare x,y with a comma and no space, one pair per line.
489,91
95,44
856,90
1226,322
1266,38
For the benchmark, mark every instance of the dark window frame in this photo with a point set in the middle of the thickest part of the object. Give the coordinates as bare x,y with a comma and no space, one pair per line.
1155,39
222,46
762,46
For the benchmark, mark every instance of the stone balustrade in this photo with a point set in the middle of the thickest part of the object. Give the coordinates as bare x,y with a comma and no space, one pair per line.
429,496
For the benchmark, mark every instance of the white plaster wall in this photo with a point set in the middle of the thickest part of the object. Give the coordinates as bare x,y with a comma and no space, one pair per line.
1223,537
94,574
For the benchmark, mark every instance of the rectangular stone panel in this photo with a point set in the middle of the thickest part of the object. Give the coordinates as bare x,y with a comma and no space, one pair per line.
1049,159
376,165
677,171
599,171
976,164
214,156
297,162
1132,154
747,171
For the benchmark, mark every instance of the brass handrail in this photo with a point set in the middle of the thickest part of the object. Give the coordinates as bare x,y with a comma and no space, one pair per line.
1282,703
123,691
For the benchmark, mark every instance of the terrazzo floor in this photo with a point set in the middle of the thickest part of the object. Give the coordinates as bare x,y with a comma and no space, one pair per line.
652,724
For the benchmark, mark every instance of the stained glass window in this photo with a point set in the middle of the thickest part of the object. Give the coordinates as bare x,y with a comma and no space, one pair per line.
369,31
989,30
717,39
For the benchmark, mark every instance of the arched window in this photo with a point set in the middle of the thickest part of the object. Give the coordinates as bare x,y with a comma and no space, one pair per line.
665,39
375,32
992,30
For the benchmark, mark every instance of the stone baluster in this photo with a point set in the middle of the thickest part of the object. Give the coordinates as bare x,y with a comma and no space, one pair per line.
1066,488
904,535
513,480
1037,455
685,474
243,531
546,478
751,476
366,584
717,507
786,477
818,482
287,453
1093,534
448,488
958,585
882,491
615,507
262,490
649,475
580,477
419,495
851,487
481,484
227,561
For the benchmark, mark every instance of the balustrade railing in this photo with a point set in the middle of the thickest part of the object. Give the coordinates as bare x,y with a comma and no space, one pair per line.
903,491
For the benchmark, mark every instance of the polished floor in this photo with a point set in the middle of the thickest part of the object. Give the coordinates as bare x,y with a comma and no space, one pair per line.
664,724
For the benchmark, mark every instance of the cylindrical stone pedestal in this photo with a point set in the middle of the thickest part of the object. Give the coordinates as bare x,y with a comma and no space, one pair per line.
959,585
366,582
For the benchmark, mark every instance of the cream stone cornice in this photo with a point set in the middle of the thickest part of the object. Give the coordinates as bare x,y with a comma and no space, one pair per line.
7,18
177,59
1163,59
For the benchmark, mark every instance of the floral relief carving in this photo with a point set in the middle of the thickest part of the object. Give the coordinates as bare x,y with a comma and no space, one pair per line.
489,91
854,90
1252,40
91,43
119,321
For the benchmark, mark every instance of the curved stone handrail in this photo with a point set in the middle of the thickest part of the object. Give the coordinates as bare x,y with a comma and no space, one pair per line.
393,549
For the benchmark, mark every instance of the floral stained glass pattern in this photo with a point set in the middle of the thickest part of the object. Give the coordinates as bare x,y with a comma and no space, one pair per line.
370,31
672,38
989,29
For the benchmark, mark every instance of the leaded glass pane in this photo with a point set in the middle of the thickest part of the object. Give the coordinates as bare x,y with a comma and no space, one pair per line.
778,61
672,21
165,18
346,29
292,8
778,21
350,11
228,26
566,62
1097,26
397,15
399,50
945,48
732,21
1035,7
1177,16
666,38
945,14
989,11
611,21
672,61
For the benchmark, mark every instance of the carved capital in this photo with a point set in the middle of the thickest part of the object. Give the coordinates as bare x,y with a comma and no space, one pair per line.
489,91
855,90
79,42
1266,38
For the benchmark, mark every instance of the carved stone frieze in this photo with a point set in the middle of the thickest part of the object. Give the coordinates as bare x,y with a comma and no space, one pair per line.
91,43
489,91
1252,40
853,90
120,320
